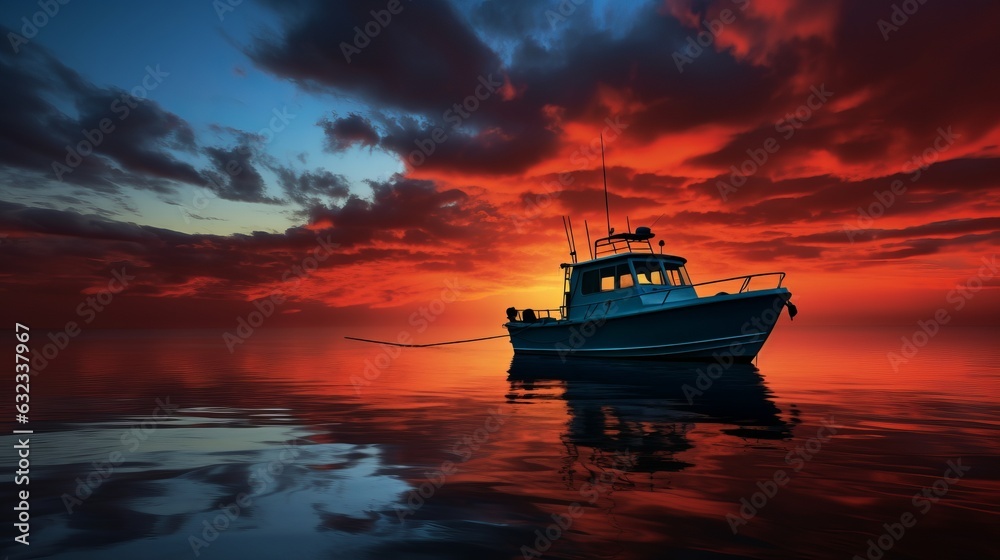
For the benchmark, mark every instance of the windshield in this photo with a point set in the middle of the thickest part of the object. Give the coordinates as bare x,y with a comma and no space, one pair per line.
648,273
678,276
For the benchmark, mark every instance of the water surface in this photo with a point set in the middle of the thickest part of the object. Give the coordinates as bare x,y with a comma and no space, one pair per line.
303,444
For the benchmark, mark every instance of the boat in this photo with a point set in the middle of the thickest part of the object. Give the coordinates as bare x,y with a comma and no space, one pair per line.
629,301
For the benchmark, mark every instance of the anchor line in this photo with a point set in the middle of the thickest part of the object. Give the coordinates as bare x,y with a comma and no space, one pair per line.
425,345
518,331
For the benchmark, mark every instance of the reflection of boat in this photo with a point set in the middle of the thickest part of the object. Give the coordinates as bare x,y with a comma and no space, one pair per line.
647,408
629,302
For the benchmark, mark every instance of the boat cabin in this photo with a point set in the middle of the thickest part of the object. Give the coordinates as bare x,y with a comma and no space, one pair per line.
625,276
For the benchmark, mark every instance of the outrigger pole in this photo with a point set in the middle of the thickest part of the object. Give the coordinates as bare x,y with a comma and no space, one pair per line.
570,238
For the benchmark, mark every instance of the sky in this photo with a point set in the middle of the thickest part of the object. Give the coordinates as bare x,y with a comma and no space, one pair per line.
354,163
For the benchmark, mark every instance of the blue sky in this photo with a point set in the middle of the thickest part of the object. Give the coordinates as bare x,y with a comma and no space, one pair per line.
211,83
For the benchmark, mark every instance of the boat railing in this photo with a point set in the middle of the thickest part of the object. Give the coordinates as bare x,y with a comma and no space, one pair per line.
562,312
745,286
621,244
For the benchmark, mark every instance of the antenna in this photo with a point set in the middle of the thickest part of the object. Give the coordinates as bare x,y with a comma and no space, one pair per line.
590,248
607,211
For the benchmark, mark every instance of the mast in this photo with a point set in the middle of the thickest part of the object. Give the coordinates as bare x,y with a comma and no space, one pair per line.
607,211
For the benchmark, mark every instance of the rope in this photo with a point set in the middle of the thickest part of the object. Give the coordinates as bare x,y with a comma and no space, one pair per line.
425,345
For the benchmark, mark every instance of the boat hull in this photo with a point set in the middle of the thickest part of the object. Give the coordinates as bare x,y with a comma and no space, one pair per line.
704,329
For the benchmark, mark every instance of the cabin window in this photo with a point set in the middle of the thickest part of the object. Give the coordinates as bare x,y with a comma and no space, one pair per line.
606,279
648,273
624,276
678,276
674,276
684,276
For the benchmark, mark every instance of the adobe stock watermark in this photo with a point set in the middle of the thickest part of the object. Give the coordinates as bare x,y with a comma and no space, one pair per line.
929,328
696,44
258,482
464,448
420,320
581,158
579,336
768,488
915,167
922,501
266,306
122,107
455,116
131,440
87,310
591,492
786,127
30,26
200,200
898,16
363,35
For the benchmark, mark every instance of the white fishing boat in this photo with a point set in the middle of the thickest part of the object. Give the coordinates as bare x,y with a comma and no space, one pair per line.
631,302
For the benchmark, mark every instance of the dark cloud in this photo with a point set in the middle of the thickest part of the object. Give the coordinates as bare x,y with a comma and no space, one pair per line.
406,221
927,75
584,201
769,251
415,63
866,247
66,252
416,207
953,185
954,228
342,133
929,246
141,144
135,147
499,150
311,188
235,176
404,70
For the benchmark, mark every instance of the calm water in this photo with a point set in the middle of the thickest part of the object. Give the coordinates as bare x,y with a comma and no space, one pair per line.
286,449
